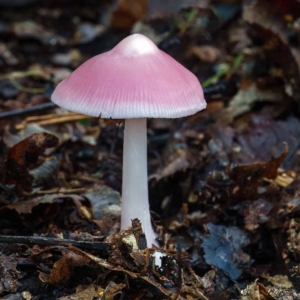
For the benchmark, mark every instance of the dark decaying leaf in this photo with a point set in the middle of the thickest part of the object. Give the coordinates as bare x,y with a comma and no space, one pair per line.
180,161
38,211
223,249
257,213
161,8
259,139
242,181
23,155
9,275
246,178
271,28
247,173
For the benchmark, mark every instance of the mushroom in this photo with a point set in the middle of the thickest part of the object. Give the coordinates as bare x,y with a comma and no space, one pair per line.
133,81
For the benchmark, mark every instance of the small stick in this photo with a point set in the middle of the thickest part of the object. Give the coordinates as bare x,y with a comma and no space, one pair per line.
44,241
61,191
26,111
58,119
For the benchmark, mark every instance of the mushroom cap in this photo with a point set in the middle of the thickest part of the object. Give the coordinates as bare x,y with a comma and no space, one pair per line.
133,80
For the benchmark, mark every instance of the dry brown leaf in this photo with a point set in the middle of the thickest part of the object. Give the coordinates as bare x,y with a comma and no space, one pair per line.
63,269
281,281
91,292
112,290
255,291
245,173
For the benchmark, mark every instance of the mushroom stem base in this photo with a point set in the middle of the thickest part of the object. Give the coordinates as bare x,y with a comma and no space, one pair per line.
135,203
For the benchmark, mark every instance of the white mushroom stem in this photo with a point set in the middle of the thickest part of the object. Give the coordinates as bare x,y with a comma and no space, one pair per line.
135,203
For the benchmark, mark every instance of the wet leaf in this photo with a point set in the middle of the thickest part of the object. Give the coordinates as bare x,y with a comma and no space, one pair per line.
46,173
223,249
105,201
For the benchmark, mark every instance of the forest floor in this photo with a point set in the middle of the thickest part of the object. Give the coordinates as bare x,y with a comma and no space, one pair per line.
223,183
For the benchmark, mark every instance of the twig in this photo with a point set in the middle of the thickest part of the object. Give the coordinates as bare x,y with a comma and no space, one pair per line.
57,119
44,241
86,178
26,111
62,191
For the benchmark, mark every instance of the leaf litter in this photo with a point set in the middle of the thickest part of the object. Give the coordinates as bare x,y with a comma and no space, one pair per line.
224,183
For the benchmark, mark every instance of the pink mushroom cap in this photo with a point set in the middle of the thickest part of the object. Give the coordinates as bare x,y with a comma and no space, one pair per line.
133,80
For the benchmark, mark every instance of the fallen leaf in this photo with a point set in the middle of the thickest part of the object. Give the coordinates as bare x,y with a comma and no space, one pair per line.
63,269
23,155
112,290
46,173
257,213
9,275
246,177
255,291
180,161
105,201
281,281
246,97
91,292
269,23
223,249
